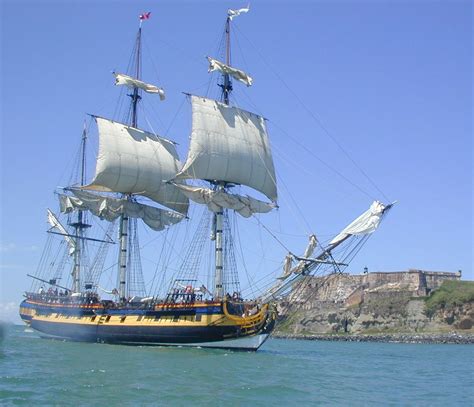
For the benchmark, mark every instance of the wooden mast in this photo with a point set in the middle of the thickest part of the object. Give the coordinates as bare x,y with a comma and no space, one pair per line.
219,256
79,225
124,220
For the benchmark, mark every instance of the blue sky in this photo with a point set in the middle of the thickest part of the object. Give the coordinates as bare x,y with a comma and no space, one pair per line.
390,81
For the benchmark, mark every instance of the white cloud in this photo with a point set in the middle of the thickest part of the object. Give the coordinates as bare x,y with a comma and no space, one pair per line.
9,312
12,267
13,247
7,247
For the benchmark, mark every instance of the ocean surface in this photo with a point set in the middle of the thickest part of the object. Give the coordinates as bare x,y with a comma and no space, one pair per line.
35,371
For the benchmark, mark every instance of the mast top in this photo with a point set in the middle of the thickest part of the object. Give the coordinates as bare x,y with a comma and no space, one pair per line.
225,68
227,85
144,16
138,57
231,13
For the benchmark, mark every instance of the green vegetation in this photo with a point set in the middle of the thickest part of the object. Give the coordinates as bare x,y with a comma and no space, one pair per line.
286,324
387,305
450,294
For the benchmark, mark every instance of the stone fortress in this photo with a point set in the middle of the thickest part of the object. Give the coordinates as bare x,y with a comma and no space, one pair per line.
368,303
349,289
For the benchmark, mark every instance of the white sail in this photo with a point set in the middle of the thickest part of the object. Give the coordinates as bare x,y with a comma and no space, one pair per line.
216,200
313,242
237,74
111,208
129,82
133,161
55,223
364,224
231,145
286,267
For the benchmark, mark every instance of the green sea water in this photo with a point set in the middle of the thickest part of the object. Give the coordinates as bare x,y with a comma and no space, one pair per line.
35,372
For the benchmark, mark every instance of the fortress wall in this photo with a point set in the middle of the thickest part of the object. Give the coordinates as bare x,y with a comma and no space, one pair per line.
350,289
408,278
434,279
334,288
346,303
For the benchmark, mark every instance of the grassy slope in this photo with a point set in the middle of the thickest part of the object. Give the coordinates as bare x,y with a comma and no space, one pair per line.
450,294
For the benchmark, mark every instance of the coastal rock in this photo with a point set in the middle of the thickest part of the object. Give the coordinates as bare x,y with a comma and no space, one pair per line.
368,306
448,338
465,323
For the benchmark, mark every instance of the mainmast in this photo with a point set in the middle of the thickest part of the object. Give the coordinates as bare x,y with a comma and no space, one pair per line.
124,220
152,159
135,95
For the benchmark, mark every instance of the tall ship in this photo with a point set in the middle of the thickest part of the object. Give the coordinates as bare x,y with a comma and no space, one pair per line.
140,184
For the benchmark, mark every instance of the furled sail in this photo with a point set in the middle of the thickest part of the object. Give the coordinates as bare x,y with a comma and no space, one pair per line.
364,224
286,267
288,270
237,74
129,82
133,161
313,242
230,145
55,223
216,200
111,208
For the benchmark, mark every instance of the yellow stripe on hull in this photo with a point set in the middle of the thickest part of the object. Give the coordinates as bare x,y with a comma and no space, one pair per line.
134,320
183,324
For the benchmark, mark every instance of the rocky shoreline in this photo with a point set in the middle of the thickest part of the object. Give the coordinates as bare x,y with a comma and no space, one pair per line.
445,338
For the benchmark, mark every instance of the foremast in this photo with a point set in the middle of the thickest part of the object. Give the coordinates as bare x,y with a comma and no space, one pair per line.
220,186
229,146
227,85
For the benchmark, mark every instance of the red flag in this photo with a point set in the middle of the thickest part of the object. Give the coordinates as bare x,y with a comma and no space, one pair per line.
145,16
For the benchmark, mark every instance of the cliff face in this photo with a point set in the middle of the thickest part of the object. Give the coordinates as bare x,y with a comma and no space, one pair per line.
342,303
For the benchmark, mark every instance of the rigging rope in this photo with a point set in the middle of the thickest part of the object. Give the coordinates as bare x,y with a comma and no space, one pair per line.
313,116
268,230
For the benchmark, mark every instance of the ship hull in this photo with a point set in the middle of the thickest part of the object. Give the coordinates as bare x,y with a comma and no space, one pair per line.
246,343
207,326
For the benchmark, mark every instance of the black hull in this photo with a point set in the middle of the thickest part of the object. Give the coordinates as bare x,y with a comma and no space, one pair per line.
205,325
133,334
